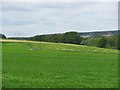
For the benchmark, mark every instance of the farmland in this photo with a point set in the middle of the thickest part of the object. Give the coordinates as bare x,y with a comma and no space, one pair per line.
57,65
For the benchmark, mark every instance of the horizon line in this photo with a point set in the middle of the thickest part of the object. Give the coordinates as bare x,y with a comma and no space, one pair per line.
60,33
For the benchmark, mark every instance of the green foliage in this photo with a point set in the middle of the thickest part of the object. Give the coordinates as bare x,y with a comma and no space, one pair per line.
71,37
54,65
68,37
90,41
75,38
102,42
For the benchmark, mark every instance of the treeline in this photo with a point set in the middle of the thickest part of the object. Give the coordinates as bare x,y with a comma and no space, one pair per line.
20,38
68,37
112,42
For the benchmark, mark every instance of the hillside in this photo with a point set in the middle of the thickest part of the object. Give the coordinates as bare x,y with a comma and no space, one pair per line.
99,33
82,34
35,45
57,65
103,39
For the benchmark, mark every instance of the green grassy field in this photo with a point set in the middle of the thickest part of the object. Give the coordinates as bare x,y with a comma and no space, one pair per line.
52,65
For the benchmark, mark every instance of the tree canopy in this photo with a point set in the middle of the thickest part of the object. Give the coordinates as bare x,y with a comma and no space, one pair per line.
68,37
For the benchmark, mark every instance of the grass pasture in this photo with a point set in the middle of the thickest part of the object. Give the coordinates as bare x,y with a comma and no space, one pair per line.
53,65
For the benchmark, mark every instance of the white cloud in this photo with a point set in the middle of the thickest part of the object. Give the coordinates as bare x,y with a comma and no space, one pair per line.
26,19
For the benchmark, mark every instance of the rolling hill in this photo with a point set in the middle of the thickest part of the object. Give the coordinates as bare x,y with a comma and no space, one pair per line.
99,33
29,64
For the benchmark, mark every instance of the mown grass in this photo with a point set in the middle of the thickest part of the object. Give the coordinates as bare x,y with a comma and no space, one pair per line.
51,65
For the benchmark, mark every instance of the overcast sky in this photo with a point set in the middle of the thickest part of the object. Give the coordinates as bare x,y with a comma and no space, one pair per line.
33,18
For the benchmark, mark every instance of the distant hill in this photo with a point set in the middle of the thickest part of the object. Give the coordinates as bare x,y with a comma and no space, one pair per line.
99,33
82,34
2,36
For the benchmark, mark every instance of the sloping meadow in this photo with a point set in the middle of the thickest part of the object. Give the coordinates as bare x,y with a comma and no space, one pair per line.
57,65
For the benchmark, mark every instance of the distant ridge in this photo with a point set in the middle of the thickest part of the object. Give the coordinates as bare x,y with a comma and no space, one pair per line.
99,33
82,34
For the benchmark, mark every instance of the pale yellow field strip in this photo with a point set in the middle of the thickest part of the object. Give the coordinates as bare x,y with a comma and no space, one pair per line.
9,40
